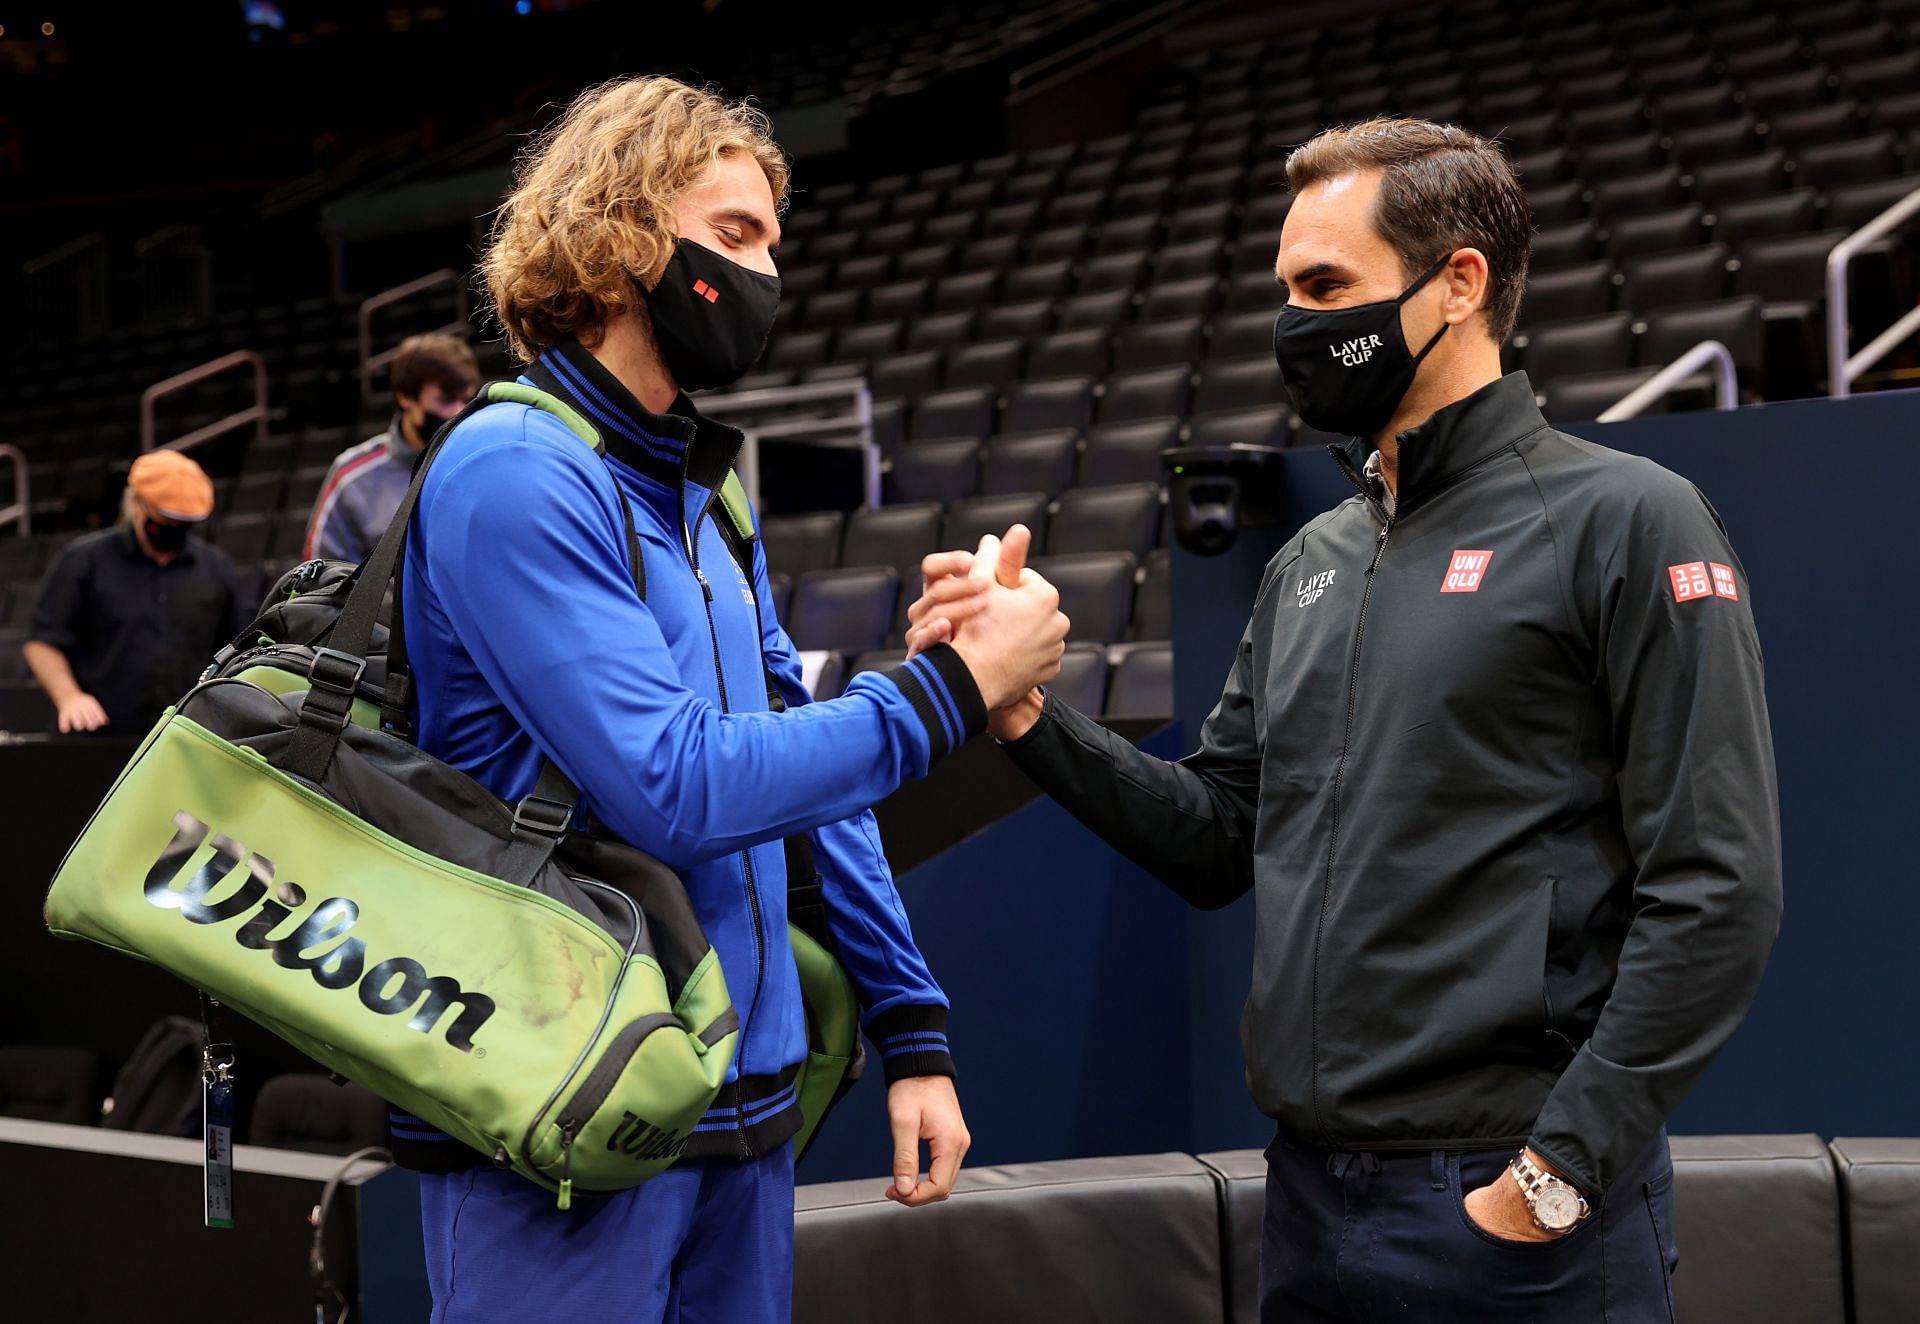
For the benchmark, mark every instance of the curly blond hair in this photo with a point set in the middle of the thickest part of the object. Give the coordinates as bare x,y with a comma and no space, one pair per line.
593,198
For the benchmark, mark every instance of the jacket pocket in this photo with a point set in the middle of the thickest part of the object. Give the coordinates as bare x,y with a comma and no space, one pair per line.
1659,1197
1559,1046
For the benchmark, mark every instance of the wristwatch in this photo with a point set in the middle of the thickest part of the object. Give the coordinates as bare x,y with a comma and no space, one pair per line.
1556,1206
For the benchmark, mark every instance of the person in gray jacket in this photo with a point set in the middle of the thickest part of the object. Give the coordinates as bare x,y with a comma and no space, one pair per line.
433,376
1493,757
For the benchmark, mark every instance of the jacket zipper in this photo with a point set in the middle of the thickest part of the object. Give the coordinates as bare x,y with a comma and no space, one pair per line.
746,856
1333,835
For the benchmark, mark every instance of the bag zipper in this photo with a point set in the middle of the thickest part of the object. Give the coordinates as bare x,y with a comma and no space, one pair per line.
746,856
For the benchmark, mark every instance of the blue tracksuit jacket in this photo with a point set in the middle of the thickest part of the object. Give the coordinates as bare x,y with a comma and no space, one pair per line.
528,640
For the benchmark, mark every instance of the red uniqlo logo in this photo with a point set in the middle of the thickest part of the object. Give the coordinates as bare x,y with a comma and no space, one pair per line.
706,291
1691,581
1465,572
1723,585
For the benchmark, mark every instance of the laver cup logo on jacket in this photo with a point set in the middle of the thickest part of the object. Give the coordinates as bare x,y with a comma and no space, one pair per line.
390,988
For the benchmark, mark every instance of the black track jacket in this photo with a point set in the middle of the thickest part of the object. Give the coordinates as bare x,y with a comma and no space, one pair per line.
1498,770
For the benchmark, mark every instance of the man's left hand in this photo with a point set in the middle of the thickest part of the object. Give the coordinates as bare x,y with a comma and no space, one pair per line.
925,1108
1500,1209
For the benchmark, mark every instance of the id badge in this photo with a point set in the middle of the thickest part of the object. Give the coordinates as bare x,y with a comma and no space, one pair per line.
216,1087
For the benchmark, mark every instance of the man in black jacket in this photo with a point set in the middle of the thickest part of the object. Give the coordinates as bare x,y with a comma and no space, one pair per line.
1493,757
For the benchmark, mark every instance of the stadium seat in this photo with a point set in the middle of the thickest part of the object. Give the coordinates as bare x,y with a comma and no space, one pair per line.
1197,259
1082,682
1588,344
1115,271
831,309
1262,425
796,544
1142,681
1622,158
940,330
942,471
1556,204
1663,280
899,299
1239,384
1149,393
1153,599
965,411
1129,452
1058,402
998,253
968,522
1160,344
42,1083
846,611
1029,462
865,340
1241,335
914,373
1579,398
1631,195
1106,519
1852,207
1735,323
1564,245
1749,177
1105,309
306,1110
1816,126
893,536
1016,321
1558,296
993,363
965,291
1085,352
1737,224
782,587
798,349
1730,140
1859,161
1655,232
1165,301
1044,280
1096,592
1789,270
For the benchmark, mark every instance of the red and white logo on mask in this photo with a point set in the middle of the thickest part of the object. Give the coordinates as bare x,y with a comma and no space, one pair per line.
1466,572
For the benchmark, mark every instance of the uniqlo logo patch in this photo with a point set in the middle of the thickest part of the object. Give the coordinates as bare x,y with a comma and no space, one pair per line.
1691,581
706,291
1723,585
1465,572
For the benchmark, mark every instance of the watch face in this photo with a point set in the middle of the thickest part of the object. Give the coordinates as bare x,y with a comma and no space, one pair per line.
1556,1207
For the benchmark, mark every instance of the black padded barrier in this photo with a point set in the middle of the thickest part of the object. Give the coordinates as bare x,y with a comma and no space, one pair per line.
1880,1200
1114,1240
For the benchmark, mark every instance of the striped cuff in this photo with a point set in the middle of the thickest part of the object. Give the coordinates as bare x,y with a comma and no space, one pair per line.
912,1041
941,690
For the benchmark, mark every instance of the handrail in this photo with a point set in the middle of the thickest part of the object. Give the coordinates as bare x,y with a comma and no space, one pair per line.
21,511
256,413
370,362
69,249
1022,80
1725,389
858,420
1841,370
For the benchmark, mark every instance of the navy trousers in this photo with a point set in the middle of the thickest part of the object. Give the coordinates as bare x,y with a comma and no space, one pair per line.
1374,1237
703,1243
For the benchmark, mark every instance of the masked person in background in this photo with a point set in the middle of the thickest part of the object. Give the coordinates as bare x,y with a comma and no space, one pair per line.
633,262
1503,790
129,616
433,376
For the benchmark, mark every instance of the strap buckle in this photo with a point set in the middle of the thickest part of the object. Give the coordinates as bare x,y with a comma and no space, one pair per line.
336,672
544,817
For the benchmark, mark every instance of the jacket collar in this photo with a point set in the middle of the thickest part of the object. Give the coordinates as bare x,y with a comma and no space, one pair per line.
129,545
399,449
1453,440
678,447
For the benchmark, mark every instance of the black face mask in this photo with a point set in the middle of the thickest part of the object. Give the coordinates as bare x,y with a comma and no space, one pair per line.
711,316
166,538
1347,369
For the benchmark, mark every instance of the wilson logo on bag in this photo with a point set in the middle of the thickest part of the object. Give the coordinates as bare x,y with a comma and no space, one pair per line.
340,966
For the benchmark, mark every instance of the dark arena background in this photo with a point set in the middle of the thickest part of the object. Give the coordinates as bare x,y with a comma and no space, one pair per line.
1030,247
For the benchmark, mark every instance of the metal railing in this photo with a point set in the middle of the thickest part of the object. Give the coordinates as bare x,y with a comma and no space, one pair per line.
1726,391
779,411
1841,370
371,363
21,511
176,277
256,413
67,290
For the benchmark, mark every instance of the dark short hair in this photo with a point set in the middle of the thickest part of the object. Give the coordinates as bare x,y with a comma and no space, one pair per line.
434,359
1442,189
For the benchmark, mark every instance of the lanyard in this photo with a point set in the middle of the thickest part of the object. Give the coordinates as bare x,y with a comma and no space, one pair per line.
216,1091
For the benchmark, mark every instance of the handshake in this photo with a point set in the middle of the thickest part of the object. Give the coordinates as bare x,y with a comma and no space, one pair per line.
1003,620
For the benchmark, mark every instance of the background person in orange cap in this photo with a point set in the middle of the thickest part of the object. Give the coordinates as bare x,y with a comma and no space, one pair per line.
128,616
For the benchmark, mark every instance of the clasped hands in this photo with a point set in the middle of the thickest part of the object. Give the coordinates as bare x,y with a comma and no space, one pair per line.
1002,618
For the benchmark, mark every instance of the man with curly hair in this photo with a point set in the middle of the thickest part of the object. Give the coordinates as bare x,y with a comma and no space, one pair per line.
634,261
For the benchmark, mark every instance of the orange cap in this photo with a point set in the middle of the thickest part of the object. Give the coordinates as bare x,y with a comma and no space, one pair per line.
172,485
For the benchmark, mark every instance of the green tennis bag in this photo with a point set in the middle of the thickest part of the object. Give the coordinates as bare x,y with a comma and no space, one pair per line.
542,994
